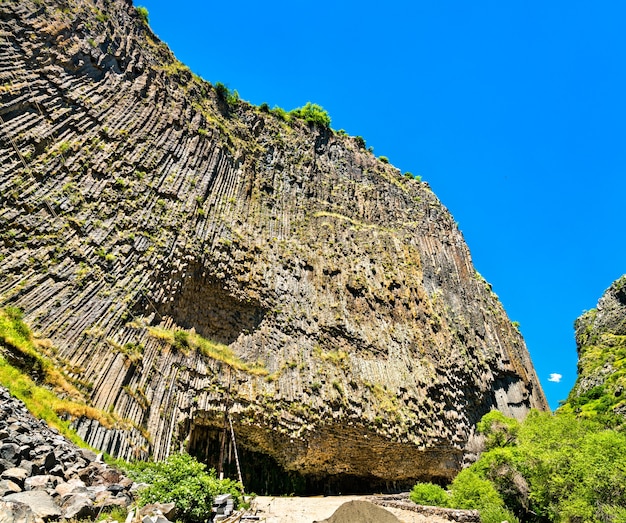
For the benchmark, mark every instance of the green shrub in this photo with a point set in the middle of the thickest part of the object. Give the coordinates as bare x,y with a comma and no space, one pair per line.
182,480
142,12
233,97
280,113
429,494
181,340
383,159
470,491
313,114
264,107
552,467
360,142
222,91
494,514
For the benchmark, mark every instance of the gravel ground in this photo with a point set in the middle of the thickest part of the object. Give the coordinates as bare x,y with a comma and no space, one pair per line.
309,509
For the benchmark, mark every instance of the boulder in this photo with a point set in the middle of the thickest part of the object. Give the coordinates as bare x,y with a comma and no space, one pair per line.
41,503
16,512
40,482
360,512
166,509
78,506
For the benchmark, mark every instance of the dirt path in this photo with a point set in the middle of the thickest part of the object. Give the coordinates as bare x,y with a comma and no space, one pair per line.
309,509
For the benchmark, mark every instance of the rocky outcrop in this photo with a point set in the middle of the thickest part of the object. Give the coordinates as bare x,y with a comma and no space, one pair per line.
601,347
189,254
44,477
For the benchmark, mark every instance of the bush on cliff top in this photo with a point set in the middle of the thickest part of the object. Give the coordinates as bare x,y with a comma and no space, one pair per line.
313,114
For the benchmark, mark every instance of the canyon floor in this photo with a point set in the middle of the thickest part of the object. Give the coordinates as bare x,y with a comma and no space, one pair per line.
273,509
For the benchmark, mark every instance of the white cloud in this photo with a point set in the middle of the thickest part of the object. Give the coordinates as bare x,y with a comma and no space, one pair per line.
555,377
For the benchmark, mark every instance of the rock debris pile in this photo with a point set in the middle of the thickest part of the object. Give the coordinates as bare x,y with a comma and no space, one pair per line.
45,477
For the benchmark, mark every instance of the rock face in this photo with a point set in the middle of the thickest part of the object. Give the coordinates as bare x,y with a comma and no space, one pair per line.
601,347
189,254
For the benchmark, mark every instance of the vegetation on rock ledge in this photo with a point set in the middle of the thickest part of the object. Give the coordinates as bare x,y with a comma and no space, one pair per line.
32,378
190,341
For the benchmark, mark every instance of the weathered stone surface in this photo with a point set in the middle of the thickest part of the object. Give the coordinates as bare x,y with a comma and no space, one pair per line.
15,512
134,198
8,487
166,509
75,485
77,506
41,503
15,474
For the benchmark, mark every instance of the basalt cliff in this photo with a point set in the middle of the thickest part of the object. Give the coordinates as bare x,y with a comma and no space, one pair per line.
601,346
204,269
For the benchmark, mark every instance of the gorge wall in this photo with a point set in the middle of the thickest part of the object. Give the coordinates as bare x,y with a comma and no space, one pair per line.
600,387
189,254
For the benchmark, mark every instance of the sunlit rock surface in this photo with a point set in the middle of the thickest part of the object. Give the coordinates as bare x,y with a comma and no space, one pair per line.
350,338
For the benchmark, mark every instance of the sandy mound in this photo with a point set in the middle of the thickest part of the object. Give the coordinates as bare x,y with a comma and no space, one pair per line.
361,512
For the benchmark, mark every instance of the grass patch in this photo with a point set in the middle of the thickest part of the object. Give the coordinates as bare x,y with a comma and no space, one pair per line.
20,358
336,357
187,341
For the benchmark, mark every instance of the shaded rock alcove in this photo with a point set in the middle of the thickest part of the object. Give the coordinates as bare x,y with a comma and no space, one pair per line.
195,300
262,473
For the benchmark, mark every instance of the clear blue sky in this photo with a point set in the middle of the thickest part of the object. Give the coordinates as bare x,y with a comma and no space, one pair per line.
513,111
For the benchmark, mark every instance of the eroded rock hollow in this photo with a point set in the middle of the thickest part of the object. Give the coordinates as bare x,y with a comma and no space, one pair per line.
199,262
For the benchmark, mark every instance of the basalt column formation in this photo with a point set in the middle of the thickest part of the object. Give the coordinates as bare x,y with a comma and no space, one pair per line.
205,267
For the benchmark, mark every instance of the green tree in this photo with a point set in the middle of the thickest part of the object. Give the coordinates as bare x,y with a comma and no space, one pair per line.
499,431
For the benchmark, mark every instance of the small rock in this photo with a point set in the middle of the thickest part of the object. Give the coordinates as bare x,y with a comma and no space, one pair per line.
18,427
10,452
57,470
41,482
89,455
45,460
72,486
29,467
16,474
110,475
167,509
8,487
